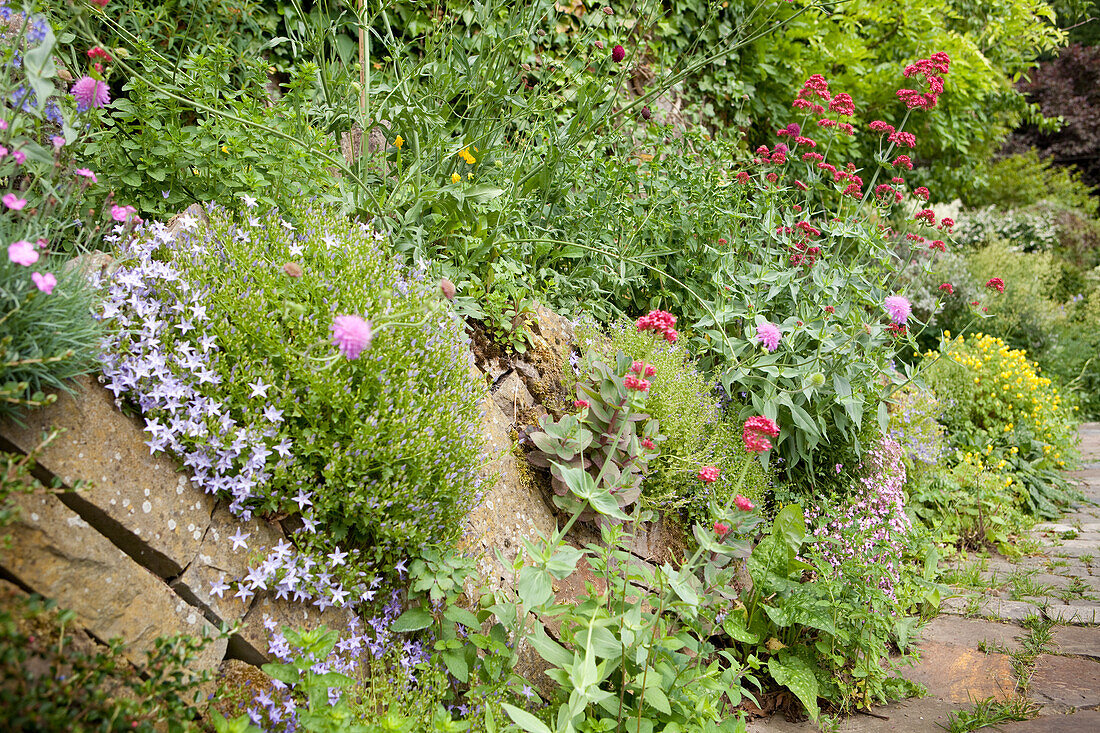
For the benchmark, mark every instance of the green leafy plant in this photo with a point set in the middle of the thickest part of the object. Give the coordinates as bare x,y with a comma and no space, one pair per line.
608,445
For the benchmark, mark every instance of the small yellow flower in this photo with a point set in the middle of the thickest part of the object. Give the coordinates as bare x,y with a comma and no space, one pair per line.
455,178
399,142
470,176
225,149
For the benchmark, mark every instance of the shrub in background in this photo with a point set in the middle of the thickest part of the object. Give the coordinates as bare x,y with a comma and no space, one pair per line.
298,368
1023,179
995,402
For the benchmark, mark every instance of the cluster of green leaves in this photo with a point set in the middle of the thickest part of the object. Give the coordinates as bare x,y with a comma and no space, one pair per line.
697,432
968,507
44,338
605,440
53,682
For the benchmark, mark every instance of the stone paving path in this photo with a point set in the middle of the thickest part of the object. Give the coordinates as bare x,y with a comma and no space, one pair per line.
1019,630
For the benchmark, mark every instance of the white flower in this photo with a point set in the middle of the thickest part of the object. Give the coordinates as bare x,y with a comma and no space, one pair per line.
248,201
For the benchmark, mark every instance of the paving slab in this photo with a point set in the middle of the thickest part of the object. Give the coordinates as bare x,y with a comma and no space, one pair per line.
958,674
908,716
1082,721
1074,613
970,633
1065,683
1081,641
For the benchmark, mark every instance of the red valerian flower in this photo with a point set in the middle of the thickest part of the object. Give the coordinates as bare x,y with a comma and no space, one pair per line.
922,193
842,104
903,161
633,382
938,245
708,474
756,432
996,283
906,139
948,288
743,503
721,529
926,215
648,444
880,126
580,404
830,309
947,223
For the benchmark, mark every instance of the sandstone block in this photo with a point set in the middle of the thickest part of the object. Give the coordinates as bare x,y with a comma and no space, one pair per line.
57,554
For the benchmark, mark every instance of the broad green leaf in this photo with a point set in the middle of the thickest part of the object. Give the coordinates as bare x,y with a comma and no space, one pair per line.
524,719
412,620
797,675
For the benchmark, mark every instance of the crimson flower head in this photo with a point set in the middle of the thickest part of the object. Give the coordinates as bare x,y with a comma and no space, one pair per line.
708,474
996,283
618,54
662,322
99,53
947,223
633,382
648,444
922,193
842,104
101,3
948,288
743,503
793,129
880,126
926,215
580,404
906,139
351,334
903,161
756,433
721,529
830,309
938,245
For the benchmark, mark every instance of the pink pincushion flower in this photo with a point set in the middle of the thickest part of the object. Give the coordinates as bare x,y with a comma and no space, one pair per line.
45,283
351,334
13,202
708,474
89,93
897,306
769,335
756,433
743,503
22,253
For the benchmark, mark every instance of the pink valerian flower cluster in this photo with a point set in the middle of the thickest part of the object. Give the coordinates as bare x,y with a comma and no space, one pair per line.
662,322
721,529
815,88
756,432
642,369
581,404
996,283
947,223
632,382
871,528
948,288
881,127
768,335
922,193
903,161
927,216
887,195
933,69
793,130
842,104
708,474
743,503
903,139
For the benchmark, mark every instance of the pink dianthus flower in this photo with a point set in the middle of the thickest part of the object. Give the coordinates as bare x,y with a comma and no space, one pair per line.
22,253
45,283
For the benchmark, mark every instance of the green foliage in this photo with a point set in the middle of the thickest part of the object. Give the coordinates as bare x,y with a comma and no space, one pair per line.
386,445
969,507
57,680
1023,180
607,447
45,337
997,405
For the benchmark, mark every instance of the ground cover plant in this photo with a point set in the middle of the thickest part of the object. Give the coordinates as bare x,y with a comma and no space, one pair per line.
323,380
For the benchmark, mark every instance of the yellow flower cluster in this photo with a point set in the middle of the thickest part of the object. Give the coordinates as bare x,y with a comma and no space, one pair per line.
1007,392
466,156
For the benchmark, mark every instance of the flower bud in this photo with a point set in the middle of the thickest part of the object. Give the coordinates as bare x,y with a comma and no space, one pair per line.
293,269
646,114
447,288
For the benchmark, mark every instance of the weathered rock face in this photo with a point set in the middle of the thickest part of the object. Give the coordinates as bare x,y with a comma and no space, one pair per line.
58,554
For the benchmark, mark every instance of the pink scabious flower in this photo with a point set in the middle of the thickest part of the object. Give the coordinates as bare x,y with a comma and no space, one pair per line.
86,173
618,54
996,283
122,214
708,474
89,93
721,529
45,283
769,335
792,129
756,432
351,334
22,253
13,202
880,126
743,503
897,306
